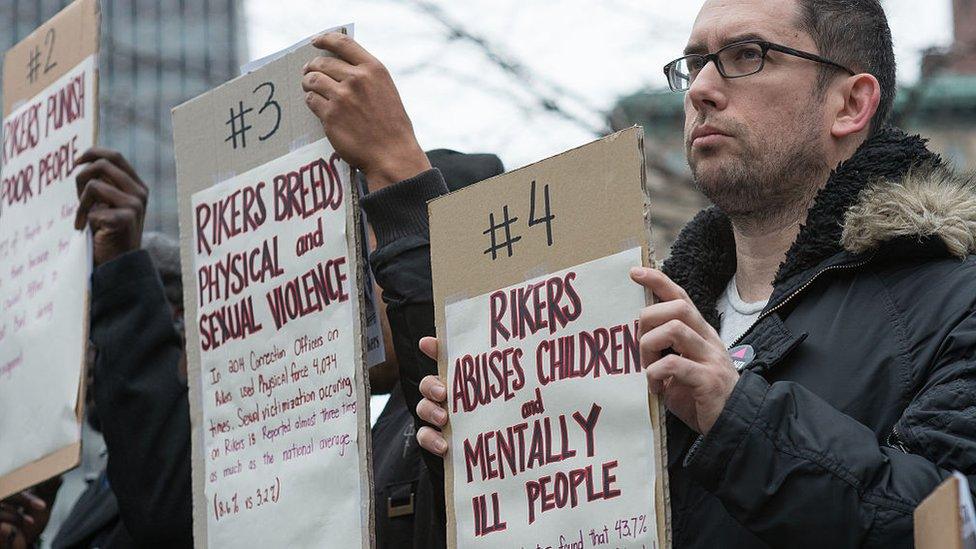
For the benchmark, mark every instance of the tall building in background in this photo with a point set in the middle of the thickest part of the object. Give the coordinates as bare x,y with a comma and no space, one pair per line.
155,55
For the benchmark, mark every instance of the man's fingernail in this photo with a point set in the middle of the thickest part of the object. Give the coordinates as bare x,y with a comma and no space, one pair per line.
441,445
637,272
440,416
440,392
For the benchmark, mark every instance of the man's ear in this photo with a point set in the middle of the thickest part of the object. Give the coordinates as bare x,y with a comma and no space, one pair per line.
861,95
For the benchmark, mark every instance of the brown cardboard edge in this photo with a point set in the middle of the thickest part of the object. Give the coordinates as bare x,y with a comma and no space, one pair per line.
662,493
932,508
609,137
364,436
13,95
40,470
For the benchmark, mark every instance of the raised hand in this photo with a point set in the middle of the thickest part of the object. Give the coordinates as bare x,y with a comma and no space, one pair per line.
112,201
358,103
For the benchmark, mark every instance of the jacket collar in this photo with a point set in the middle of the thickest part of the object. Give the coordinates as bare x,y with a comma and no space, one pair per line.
893,190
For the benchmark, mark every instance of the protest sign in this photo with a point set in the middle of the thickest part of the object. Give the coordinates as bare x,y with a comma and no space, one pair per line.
274,286
50,117
554,438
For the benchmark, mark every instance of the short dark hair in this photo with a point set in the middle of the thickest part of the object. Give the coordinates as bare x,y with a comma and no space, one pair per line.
855,34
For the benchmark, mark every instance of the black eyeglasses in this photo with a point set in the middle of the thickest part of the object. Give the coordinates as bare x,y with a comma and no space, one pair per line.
733,61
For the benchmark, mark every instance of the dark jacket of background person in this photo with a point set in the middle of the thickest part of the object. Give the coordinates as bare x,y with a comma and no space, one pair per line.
143,499
401,265
862,394
403,494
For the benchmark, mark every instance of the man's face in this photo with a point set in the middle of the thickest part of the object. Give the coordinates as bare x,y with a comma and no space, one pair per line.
771,129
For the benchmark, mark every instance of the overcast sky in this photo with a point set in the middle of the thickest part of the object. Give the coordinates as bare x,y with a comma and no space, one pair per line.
585,53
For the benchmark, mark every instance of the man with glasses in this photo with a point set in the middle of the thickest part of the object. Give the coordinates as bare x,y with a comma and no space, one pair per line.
815,335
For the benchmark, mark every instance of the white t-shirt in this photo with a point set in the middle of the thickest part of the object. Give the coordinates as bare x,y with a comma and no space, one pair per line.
737,315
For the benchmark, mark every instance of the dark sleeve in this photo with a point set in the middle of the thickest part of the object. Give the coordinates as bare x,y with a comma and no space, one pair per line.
789,466
142,405
401,265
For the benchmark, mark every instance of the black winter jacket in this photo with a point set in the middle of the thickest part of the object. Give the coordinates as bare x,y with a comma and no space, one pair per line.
403,494
143,413
861,397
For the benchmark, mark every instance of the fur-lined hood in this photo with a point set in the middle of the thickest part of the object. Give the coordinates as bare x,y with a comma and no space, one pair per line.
892,188
924,204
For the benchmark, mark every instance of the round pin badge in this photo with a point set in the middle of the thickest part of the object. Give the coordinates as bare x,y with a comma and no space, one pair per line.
742,355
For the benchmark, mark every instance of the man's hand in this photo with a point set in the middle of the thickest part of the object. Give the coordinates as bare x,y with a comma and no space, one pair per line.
23,517
432,408
355,98
696,381
112,201
698,377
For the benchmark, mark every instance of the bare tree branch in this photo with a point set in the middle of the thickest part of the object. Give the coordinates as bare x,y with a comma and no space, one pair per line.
548,95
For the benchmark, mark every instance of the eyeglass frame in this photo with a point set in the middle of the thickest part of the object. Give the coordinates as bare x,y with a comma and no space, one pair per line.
766,47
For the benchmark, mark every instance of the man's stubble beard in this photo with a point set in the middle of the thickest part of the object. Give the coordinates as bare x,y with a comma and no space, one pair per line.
768,181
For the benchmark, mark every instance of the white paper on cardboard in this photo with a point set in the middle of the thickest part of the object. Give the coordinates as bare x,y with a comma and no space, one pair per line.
276,293
256,64
44,268
571,460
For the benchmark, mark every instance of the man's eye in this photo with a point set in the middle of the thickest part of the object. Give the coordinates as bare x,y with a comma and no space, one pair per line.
749,54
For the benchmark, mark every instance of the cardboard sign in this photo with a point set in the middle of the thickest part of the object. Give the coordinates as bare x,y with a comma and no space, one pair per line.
375,346
50,117
946,519
274,286
554,438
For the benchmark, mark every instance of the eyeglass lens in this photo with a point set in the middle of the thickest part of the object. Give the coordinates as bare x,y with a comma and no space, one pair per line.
734,61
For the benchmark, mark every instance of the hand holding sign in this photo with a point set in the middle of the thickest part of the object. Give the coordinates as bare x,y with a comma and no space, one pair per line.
432,407
695,383
356,100
112,200
697,379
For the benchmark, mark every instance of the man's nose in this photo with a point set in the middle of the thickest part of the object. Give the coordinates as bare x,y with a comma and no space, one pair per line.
707,91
